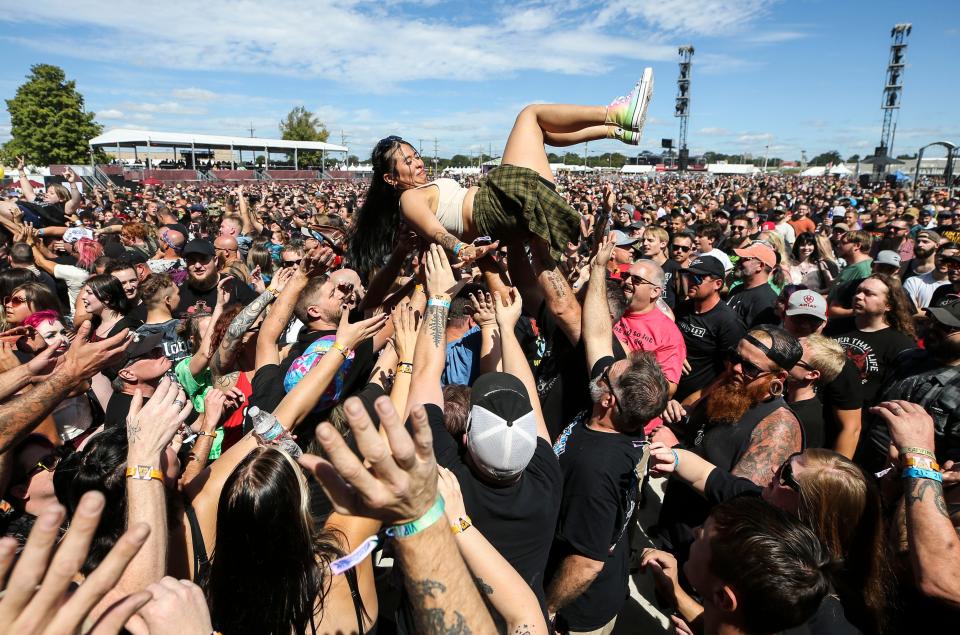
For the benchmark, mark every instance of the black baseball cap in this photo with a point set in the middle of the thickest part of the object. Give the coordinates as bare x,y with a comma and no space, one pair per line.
706,266
201,247
947,314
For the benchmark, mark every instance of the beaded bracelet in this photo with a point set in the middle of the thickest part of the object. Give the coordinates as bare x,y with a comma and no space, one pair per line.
916,472
922,451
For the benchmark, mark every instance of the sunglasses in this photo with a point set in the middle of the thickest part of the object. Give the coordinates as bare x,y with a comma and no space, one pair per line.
750,370
785,477
290,263
800,362
605,376
47,463
14,301
680,248
638,280
387,141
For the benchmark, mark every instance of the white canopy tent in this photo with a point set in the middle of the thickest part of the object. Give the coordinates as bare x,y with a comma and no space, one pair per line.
840,170
732,168
126,138
629,168
814,171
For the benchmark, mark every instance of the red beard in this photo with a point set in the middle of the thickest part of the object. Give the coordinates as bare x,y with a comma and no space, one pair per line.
728,402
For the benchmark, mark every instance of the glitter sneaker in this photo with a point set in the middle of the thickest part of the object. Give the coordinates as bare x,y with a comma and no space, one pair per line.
630,111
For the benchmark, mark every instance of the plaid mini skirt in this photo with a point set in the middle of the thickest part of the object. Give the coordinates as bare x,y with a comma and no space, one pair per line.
514,202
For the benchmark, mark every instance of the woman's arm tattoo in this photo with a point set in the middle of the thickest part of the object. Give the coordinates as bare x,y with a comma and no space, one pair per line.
226,352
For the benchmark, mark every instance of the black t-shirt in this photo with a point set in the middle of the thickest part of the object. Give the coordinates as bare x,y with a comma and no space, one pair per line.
873,353
195,301
754,306
599,496
562,381
810,414
517,518
707,336
843,393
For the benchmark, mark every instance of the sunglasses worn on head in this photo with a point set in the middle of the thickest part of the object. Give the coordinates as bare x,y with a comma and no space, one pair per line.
387,141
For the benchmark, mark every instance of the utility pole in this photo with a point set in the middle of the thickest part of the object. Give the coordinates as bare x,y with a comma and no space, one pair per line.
766,154
434,157
420,148
251,129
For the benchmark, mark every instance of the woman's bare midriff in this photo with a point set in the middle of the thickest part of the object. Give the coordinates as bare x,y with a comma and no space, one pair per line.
433,199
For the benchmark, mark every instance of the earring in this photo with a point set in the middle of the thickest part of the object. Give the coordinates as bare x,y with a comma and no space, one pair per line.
776,388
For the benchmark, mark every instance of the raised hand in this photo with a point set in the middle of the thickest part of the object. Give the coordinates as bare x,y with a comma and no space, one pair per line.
909,424
439,274
609,199
508,309
603,253
662,459
151,427
21,163
484,311
449,488
352,334
84,358
401,483
176,607
70,175
223,291
405,327
472,253
256,280
35,599
317,262
281,278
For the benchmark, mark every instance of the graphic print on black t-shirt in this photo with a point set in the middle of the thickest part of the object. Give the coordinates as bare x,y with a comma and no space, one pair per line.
873,353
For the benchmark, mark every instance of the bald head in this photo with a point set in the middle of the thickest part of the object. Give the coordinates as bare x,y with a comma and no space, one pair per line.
173,238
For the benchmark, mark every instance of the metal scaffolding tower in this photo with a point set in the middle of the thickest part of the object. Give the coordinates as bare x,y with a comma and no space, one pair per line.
682,110
892,92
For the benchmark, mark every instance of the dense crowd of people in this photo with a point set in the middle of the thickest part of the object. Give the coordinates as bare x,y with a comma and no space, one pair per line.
215,418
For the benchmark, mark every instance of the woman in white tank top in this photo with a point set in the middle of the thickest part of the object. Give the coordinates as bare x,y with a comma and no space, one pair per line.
515,202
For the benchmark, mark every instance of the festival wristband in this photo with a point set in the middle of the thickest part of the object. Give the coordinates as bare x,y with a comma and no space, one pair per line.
414,527
441,303
916,472
462,524
676,459
405,367
922,451
920,462
458,247
419,288
355,557
144,473
343,349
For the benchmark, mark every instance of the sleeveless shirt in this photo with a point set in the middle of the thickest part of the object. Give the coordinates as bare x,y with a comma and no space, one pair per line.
449,204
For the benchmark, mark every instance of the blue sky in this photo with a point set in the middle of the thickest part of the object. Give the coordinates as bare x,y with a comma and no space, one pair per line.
792,74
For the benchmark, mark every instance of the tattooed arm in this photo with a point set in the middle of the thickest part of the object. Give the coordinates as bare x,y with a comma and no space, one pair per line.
597,331
774,439
222,361
934,545
560,299
430,354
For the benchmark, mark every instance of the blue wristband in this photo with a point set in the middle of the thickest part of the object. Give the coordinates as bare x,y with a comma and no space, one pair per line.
676,459
916,472
444,303
458,247
405,530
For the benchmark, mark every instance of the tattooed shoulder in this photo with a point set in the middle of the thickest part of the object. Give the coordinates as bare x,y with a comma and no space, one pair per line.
775,438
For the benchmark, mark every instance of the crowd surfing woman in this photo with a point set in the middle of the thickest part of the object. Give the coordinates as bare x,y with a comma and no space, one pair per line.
516,201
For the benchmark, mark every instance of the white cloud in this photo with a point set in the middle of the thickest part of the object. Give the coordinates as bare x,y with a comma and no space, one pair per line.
110,113
167,108
775,37
364,45
713,132
703,17
194,94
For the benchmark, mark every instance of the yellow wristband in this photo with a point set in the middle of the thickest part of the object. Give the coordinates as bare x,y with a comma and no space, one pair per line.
343,349
922,462
405,367
461,525
144,473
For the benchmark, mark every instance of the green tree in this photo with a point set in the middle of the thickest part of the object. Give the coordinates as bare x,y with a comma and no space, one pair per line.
853,158
460,161
48,122
906,156
303,125
827,157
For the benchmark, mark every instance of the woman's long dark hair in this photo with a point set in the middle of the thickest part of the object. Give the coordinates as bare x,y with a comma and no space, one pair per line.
264,527
377,222
100,466
108,290
806,238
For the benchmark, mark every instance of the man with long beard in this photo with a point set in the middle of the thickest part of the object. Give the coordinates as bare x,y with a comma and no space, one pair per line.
930,377
742,423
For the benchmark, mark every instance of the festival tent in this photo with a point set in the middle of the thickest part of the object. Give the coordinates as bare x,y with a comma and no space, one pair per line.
814,171
840,170
637,169
732,168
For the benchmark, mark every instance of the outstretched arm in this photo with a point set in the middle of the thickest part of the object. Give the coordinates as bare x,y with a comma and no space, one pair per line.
597,331
431,352
683,464
514,361
226,353
25,186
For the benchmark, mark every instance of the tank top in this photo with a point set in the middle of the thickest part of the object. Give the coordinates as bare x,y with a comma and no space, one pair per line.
449,204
